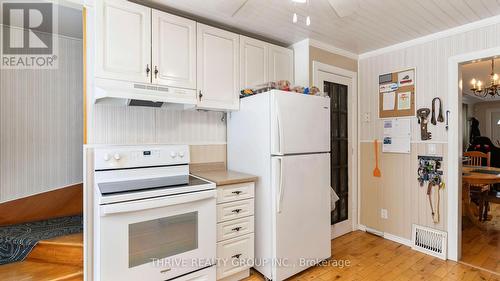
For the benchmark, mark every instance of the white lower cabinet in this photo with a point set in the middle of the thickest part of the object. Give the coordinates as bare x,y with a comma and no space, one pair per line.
235,231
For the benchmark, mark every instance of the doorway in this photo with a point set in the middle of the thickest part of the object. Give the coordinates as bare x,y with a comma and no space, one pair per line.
339,85
457,191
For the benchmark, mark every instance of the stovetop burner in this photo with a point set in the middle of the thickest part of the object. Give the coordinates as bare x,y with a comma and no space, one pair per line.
120,187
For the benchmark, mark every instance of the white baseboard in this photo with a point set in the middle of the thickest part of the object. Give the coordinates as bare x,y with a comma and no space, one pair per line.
388,236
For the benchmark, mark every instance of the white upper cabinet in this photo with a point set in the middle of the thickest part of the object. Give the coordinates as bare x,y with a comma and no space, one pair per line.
280,63
123,35
254,62
174,50
218,68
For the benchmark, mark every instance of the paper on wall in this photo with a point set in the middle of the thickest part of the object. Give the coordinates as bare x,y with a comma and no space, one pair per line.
406,78
404,101
388,101
391,87
397,136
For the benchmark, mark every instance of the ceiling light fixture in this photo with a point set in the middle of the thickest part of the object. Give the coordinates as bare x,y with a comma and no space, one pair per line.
295,16
492,90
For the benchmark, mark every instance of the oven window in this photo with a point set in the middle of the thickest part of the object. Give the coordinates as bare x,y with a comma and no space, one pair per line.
162,238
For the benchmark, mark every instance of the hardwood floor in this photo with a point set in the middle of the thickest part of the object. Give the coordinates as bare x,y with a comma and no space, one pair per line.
374,258
57,259
481,246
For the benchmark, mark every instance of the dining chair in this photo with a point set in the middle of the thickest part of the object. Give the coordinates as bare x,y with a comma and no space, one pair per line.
479,192
477,158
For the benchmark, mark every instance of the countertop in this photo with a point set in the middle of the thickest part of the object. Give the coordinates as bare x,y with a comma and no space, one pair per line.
225,177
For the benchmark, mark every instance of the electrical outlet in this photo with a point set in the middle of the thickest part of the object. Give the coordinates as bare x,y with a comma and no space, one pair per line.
383,213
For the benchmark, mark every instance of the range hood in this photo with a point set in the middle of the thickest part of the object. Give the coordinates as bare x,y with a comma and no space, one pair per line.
108,91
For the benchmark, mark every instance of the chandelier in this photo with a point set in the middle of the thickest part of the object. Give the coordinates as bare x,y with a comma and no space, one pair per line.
492,89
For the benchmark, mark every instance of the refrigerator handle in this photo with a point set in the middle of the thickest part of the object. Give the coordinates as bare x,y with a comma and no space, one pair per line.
279,198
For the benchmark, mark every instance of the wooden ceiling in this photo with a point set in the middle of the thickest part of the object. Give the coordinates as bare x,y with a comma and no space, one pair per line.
375,24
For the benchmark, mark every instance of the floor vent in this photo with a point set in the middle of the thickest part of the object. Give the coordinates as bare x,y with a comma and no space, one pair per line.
429,241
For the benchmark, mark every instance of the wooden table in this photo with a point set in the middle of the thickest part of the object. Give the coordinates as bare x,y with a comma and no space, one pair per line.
480,178
477,178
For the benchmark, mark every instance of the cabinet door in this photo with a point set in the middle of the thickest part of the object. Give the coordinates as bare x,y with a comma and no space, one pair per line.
218,68
280,63
123,41
254,62
174,50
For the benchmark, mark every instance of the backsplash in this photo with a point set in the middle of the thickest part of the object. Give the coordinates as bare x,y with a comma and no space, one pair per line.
114,124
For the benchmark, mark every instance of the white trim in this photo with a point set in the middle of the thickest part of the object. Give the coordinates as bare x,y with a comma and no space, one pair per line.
454,193
435,36
387,236
354,131
332,49
416,141
397,239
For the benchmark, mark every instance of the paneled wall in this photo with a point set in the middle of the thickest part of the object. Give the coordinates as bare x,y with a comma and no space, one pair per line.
41,125
397,190
114,124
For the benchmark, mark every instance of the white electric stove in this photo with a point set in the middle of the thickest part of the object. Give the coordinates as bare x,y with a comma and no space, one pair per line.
153,220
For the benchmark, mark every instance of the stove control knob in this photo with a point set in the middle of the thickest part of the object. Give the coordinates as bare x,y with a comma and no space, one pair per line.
181,154
173,154
106,157
117,156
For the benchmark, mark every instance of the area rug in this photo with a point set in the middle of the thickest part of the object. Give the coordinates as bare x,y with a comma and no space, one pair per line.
17,241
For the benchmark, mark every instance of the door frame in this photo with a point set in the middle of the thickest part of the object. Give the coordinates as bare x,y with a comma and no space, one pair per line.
454,178
489,113
353,133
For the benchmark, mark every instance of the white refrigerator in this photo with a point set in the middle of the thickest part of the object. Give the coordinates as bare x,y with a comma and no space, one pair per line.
284,139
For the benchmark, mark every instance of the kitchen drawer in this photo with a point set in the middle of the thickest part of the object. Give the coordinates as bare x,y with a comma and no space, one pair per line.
235,210
230,251
233,192
234,228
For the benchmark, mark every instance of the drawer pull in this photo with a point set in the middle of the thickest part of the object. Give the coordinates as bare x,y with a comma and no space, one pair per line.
165,270
237,256
236,228
236,211
238,192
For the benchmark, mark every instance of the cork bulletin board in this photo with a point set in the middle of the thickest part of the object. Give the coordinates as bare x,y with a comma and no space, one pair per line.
397,94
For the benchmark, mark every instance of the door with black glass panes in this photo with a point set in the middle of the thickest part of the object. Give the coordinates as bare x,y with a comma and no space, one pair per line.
337,88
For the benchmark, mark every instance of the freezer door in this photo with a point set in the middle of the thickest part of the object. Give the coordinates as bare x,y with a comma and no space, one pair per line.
299,123
301,206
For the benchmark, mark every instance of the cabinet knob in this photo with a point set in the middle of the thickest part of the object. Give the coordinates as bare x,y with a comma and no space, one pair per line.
156,72
147,70
200,95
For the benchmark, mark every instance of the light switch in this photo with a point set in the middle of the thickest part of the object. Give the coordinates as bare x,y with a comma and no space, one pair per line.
431,148
366,117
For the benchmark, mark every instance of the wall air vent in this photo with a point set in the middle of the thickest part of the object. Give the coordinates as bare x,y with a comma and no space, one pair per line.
429,241
145,103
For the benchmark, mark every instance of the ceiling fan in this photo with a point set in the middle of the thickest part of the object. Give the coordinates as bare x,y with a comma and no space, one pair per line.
344,8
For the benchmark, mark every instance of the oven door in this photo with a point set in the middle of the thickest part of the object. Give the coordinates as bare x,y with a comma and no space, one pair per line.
157,238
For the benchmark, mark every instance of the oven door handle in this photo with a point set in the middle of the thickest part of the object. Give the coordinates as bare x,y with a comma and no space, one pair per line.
153,203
